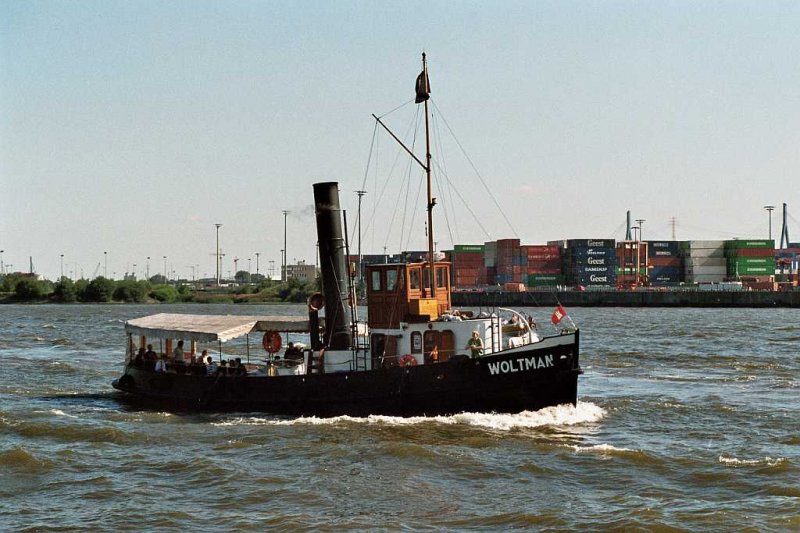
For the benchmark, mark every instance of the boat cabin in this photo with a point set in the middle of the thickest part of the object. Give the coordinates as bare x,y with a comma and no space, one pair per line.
402,292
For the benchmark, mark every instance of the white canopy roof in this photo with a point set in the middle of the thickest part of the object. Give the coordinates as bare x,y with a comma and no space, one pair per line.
206,328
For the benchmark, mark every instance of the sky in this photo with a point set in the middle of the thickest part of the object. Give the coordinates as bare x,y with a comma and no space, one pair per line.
128,129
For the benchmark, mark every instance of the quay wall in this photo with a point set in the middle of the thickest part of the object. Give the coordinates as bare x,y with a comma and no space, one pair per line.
614,298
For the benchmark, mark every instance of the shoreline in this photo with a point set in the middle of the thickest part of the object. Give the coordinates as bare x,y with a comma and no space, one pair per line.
612,298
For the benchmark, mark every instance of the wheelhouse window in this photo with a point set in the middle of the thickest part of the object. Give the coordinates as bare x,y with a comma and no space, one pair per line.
441,277
414,275
376,281
391,280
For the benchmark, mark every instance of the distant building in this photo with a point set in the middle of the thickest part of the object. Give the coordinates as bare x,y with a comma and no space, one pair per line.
301,271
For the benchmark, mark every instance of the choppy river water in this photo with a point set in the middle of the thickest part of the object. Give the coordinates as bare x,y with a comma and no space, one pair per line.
687,419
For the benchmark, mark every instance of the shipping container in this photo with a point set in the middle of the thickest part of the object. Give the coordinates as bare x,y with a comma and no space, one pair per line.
593,261
664,248
665,262
697,245
702,270
752,252
705,278
574,254
490,254
469,248
543,280
507,243
590,243
737,244
542,249
694,262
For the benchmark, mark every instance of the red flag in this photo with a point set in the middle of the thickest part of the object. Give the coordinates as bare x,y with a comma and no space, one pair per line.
558,314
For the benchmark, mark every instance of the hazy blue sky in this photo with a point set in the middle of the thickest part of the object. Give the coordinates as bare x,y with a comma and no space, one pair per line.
132,127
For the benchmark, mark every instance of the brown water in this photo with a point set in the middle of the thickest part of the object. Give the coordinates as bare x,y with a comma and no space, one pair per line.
687,419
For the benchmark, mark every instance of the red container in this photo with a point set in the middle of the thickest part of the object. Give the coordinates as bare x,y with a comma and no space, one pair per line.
755,252
665,261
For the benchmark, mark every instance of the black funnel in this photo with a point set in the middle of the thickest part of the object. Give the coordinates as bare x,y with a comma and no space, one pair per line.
332,264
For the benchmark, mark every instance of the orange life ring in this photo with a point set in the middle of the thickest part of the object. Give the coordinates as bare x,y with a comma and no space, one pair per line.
408,360
272,341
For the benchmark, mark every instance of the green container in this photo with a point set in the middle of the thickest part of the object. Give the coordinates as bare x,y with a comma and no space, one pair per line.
545,280
739,244
746,262
753,271
630,271
468,248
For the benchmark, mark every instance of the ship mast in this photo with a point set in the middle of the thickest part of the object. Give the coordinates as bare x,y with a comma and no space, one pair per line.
431,200
423,94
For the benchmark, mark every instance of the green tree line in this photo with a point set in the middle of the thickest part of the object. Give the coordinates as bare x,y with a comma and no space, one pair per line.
24,288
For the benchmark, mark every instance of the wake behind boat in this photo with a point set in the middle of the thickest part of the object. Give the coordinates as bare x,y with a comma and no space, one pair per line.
415,354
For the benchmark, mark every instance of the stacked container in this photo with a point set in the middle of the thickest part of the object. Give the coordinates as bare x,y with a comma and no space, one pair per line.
544,265
750,257
590,262
631,262
467,265
787,263
704,261
664,263
511,262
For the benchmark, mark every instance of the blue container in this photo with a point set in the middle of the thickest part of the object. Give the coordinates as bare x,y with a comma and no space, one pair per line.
665,275
591,243
663,248
602,260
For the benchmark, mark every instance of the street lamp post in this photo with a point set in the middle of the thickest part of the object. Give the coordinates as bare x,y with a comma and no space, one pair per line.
2,265
62,267
769,208
257,254
218,261
148,267
105,265
165,269
360,266
283,272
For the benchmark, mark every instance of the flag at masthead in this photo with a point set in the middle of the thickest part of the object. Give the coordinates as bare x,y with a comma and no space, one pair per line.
423,84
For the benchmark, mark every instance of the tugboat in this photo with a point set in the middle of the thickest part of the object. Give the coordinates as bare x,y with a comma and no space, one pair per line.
414,356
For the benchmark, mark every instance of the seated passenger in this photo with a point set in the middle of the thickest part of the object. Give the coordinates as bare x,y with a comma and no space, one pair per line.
178,357
139,360
150,356
211,367
240,369
293,353
223,368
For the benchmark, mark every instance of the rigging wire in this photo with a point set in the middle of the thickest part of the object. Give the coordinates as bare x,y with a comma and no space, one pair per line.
475,169
396,108
437,139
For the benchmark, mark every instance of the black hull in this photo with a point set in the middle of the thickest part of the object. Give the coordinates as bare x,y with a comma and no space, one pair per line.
528,378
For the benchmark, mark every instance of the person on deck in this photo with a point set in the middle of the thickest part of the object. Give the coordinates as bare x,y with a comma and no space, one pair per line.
178,356
211,367
293,353
139,360
150,355
475,345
